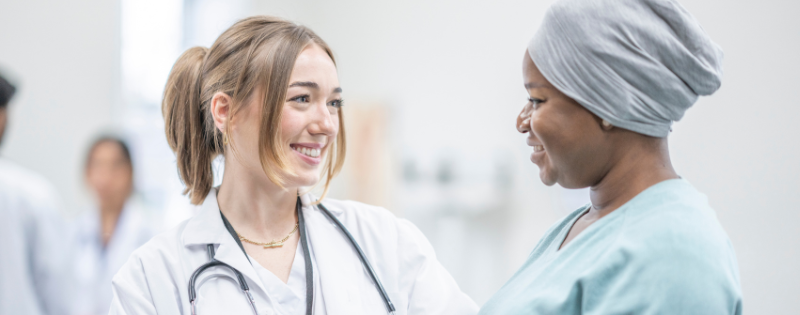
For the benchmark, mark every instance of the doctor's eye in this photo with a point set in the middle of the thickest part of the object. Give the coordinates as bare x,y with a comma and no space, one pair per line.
301,99
336,103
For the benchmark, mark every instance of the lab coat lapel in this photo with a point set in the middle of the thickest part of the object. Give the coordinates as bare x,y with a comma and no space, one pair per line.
125,239
337,263
207,228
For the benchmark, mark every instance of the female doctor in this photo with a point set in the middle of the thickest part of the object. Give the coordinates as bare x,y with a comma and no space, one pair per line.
266,96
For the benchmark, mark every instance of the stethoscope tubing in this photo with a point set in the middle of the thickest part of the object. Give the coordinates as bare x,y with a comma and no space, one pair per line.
213,262
363,258
309,270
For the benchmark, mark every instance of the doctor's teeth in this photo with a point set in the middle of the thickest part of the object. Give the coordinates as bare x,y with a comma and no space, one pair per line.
307,151
538,148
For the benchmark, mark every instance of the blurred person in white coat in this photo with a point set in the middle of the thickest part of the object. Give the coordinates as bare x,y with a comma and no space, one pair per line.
107,234
32,252
266,95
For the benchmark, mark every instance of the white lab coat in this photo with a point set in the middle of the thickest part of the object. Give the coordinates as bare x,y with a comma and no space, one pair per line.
95,265
155,279
33,257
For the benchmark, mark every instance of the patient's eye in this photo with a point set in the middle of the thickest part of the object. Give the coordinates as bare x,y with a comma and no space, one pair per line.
535,102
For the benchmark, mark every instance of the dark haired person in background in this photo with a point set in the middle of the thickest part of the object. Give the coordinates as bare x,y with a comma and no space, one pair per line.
106,235
7,91
32,257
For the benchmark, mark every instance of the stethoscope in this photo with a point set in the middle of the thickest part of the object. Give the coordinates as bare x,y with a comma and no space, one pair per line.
309,271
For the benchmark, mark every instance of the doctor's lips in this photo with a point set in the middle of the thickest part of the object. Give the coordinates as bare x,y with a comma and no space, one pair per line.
308,149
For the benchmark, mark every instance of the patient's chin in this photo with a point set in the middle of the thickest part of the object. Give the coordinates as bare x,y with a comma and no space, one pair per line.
547,178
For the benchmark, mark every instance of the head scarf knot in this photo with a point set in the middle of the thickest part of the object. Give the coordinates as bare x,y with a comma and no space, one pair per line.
639,64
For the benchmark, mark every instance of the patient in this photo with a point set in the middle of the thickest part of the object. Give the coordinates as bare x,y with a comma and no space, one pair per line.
606,79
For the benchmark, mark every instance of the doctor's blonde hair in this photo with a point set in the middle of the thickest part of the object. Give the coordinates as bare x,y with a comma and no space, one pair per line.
257,52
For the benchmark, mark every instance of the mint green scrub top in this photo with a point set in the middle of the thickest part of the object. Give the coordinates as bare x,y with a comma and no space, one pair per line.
663,252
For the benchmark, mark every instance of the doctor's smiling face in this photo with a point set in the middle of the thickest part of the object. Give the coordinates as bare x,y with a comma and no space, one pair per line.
568,143
309,122
310,119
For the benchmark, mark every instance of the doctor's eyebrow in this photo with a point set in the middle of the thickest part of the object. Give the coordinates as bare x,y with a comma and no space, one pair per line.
307,84
312,85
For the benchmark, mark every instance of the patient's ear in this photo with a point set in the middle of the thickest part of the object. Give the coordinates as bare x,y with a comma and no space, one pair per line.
606,125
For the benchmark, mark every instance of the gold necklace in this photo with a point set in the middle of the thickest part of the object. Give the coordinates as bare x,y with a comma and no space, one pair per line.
274,243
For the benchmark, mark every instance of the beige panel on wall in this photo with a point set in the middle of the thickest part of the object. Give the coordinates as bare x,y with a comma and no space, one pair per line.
369,170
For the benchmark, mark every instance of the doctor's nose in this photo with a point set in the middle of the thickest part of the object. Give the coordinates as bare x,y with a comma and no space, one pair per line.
323,121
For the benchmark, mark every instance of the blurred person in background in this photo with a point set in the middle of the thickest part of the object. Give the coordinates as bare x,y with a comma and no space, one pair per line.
33,257
111,230
606,79
266,96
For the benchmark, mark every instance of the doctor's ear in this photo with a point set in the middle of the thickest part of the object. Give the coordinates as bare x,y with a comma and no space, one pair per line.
221,110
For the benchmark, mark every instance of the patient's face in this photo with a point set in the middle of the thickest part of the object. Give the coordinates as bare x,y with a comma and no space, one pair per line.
568,143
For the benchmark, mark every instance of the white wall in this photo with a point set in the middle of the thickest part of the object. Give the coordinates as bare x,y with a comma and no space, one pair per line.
740,146
64,57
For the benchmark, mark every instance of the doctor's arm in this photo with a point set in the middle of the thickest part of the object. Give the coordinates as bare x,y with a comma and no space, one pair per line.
130,289
433,289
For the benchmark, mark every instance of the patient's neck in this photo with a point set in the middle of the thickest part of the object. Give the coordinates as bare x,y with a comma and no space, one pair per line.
639,162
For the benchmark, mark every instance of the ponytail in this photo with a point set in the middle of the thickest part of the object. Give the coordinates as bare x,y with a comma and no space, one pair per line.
190,132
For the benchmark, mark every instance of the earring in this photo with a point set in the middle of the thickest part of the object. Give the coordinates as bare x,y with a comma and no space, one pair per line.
224,139
607,125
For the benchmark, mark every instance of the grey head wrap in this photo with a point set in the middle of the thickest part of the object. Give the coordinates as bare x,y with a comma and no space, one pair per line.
639,64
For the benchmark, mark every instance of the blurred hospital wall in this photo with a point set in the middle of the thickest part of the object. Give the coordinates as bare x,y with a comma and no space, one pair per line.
432,91
64,58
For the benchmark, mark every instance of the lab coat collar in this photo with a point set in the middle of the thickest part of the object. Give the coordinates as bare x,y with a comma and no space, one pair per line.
309,199
206,227
325,238
127,234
